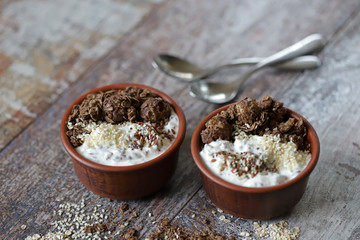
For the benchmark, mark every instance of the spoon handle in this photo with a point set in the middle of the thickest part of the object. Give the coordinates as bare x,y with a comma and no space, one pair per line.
298,63
304,46
309,44
242,61
224,92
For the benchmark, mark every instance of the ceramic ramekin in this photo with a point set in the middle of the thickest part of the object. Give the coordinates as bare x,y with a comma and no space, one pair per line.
254,202
125,182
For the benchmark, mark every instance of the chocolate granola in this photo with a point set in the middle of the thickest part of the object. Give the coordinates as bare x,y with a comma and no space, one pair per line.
166,230
264,117
115,106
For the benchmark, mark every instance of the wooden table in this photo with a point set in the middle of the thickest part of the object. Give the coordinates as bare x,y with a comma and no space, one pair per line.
53,51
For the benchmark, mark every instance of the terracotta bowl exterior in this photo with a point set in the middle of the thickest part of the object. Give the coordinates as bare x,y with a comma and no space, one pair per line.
254,202
126,182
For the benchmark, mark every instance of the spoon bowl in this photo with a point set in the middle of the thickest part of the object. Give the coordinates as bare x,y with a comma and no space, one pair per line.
177,67
213,92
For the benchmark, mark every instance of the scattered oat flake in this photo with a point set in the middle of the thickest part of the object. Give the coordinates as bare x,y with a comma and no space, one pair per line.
23,227
244,234
73,221
124,207
78,222
135,215
166,230
276,231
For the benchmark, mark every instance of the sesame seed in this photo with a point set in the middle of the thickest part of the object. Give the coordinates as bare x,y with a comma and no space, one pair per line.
278,230
244,234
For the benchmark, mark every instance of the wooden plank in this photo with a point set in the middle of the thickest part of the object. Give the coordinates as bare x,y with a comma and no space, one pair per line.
328,98
330,102
46,46
239,37
36,175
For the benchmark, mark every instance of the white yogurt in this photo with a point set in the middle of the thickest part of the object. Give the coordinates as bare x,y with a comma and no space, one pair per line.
126,143
280,161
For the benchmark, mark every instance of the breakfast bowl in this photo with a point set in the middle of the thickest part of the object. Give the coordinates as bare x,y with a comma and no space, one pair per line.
116,179
254,202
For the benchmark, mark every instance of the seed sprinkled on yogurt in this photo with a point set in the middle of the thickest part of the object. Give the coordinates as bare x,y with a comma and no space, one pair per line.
122,127
255,144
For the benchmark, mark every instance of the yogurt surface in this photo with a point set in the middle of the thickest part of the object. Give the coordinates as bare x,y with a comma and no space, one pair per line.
126,143
254,161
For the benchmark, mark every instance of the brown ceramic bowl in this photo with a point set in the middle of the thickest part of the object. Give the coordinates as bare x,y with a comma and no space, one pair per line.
254,202
126,182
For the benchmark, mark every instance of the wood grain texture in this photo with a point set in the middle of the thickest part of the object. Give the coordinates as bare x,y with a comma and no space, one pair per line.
328,98
36,175
46,45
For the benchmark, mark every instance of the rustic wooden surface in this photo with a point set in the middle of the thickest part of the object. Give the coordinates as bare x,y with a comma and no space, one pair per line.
53,51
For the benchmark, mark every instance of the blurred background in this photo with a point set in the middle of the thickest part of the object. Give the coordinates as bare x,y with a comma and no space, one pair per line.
52,51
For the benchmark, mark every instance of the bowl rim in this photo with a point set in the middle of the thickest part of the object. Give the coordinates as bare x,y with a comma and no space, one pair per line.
107,168
196,146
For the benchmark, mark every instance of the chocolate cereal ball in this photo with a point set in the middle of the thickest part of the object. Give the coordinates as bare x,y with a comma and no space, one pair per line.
216,128
155,110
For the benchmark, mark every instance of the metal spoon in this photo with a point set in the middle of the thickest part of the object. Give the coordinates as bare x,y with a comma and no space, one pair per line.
189,72
226,91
